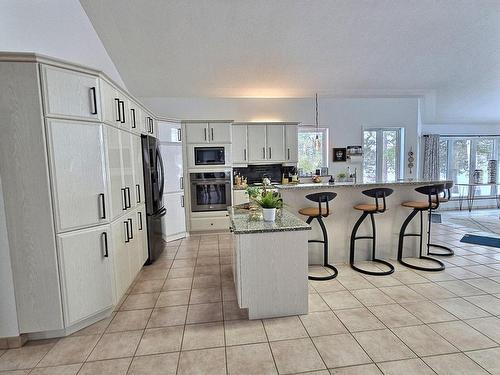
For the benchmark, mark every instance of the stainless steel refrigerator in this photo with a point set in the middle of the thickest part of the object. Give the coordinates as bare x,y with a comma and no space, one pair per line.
154,182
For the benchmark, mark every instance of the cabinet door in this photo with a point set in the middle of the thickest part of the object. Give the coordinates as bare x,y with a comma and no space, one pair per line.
197,132
138,170
142,236
134,116
169,132
275,142
86,275
174,223
128,167
256,142
239,144
291,147
78,169
116,186
70,94
171,154
110,104
120,233
220,132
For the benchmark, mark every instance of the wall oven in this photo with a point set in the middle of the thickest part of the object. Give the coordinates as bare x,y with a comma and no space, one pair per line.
210,191
209,155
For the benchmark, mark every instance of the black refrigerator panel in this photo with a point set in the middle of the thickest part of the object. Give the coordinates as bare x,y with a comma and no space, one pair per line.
154,180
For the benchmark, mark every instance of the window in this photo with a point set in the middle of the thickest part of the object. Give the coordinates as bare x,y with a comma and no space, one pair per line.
459,157
382,154
312,155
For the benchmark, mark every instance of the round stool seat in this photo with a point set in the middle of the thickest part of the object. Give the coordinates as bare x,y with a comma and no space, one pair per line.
421,205
366,207
441,200
313,211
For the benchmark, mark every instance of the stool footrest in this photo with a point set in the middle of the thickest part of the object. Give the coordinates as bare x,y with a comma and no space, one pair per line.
447,251
420,268
364,238
375,273
317,241
329,277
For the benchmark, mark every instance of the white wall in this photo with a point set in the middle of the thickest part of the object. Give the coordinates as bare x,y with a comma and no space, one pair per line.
8,314
57,28
345,117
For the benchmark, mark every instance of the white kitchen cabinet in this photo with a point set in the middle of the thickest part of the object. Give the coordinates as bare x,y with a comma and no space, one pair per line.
169,131
70,94
138,170
239,144
172,161
257,146
142,238
128,165
275,139
117,191
291,144
240,197
150,127
86,277
174,222
78,173
120,233
197,132
111,104
134,116
219,132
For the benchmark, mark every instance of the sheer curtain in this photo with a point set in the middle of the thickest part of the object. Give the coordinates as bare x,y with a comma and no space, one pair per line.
431,157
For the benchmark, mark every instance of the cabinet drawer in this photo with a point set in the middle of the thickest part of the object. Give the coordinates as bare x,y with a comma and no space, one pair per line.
70,94
209,223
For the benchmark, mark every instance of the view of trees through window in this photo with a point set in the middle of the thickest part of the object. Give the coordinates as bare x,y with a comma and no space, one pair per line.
381,154
310,156
459,157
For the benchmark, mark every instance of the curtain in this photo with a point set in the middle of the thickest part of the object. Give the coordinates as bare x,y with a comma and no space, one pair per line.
431,157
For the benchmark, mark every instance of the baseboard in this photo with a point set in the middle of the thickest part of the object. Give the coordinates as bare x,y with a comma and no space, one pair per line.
13,342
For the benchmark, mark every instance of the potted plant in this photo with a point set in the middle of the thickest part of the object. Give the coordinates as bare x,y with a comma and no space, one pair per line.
269,202
341,176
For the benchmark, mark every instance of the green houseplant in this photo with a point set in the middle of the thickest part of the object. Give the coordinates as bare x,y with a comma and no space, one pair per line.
269,202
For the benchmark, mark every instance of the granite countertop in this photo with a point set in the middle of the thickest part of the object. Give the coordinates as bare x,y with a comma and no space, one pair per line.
322,185
245,221
244,187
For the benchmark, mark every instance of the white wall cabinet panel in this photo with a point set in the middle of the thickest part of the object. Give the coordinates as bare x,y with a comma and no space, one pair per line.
169,131
133,116
275,142
110,104
239,144
70,94
78,172
171,154
197,132
138,170
86,276
116,188
141,242
291,144
128,165
257,146
174,223
219,132
120,231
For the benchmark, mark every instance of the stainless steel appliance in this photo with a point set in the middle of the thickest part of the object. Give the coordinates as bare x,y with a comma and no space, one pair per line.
210,191
154,181
209,155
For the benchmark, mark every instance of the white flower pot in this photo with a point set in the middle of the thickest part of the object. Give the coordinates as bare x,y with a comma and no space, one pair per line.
269,214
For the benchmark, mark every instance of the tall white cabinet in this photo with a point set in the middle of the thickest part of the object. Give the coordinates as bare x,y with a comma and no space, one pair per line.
170,136
71,167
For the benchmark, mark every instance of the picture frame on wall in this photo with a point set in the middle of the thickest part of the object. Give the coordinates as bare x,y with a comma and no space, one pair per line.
339,154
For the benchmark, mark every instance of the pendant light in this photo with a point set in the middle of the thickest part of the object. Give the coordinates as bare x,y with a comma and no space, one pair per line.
317,142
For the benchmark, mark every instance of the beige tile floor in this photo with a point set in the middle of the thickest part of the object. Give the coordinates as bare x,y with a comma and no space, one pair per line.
181,317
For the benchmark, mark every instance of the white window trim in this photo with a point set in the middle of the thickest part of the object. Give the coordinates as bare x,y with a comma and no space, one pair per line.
400,140
326,145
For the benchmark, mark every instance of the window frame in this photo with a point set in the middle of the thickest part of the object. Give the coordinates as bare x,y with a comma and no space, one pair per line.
379,164
326,143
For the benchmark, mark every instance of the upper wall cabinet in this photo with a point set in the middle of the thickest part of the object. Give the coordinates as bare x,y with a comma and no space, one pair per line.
112,107
70,94
291,144
78,173
208,132
240,150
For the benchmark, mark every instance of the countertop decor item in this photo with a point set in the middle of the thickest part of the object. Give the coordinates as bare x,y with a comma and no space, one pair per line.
269,202
411,160
492,171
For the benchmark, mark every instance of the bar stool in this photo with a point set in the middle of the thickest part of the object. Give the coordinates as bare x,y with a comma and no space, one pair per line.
442,199
432,203
370,209
319,213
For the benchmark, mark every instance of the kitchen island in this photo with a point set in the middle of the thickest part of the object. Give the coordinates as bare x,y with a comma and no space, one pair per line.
343,217
270,263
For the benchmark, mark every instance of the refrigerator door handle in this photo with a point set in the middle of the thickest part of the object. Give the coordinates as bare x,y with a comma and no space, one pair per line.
161,213
162,170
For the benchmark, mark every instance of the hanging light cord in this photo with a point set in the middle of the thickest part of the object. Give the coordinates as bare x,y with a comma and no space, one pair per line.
317,123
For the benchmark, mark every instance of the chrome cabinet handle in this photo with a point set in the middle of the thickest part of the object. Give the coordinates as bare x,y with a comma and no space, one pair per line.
131,231
127,234
138,188
104,238
103,206
205,132
244,154
181,181
132,111
179,136
118,113
139,214
288,154
124,199
182,200
94,101
212,131
270,157
122,106
264,152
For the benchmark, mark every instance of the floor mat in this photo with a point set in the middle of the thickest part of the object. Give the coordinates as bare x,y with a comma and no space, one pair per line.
481,240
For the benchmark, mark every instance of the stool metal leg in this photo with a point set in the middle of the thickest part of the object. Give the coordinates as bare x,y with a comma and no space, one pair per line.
325,250
373,238
402,235
447,251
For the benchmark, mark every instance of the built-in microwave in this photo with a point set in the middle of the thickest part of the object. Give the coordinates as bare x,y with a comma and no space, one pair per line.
209,155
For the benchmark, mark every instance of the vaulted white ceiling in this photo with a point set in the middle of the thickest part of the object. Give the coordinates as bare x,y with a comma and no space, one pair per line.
293,48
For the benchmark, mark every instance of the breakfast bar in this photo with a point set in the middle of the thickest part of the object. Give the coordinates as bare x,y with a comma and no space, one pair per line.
343,217
270,263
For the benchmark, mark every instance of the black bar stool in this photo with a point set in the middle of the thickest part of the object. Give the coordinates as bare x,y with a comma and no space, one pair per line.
432,203
442,199
370,209
319,213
